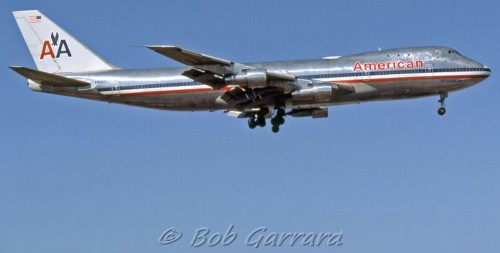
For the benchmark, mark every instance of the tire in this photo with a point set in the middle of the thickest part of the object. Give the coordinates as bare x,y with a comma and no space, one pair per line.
261,121
251,123
274,121
441,111
281,121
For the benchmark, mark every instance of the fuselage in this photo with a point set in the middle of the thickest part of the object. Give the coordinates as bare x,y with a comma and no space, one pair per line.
380,75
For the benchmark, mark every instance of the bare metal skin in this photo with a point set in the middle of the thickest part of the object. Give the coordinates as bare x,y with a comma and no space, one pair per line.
251,90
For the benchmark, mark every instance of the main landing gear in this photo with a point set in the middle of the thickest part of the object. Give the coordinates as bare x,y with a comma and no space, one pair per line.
258,119
442,98
278,120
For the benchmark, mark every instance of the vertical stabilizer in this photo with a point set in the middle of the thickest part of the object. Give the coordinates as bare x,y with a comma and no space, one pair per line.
53,49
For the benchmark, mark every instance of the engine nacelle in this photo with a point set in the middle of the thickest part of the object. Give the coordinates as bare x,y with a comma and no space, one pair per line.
249,78
315,93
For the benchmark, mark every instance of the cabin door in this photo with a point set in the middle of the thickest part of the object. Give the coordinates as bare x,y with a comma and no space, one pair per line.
429,70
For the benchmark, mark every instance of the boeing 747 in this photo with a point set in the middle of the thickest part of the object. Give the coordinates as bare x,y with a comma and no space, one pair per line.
256,91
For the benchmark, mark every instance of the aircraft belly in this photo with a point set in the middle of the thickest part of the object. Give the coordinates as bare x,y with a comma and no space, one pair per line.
408,89
194,101
199,101
422,88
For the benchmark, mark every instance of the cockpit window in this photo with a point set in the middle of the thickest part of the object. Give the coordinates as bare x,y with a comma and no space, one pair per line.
453,51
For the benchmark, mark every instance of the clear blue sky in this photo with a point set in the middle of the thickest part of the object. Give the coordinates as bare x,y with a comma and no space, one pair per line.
86,176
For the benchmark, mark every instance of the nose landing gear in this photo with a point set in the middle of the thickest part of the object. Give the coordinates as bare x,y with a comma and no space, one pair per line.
442,97
441,111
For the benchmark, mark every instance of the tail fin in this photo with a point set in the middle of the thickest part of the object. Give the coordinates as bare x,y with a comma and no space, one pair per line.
53,49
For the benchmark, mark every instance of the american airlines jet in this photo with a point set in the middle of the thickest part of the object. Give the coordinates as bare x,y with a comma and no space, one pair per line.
256,91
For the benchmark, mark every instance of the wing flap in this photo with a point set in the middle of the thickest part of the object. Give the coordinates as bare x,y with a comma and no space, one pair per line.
48,78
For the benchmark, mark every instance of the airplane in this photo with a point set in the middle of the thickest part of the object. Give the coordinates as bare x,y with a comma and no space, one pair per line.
256,91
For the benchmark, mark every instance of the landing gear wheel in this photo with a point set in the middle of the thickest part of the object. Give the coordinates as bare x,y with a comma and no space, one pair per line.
278,118
441,111
276,128
252,123
261,121
442,98
275,121
281,121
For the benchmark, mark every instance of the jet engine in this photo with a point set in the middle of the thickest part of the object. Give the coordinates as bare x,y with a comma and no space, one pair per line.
249,78
315,93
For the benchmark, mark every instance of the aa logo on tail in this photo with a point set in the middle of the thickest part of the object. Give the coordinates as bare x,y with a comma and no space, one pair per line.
48,48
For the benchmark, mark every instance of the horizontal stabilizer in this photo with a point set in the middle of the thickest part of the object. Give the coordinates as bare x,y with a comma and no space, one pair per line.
48,79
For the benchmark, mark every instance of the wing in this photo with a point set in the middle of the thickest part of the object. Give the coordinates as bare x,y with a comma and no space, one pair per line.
252,87
205,68
218,72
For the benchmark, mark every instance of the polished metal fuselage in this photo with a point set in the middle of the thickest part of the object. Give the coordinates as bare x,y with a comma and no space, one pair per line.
380,75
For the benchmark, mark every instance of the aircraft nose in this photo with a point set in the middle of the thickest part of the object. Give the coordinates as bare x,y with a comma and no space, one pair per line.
482,68
486,71
477,66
